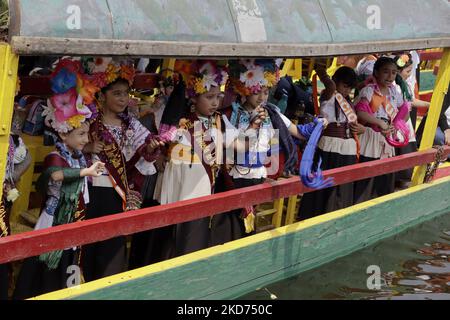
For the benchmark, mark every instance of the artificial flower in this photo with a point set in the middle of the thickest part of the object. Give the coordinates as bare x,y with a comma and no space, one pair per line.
271,78
127,73
253,77
112,73
12,195
87,89
82,109
99,79
65,105
75,121
99,64
73,66
63,81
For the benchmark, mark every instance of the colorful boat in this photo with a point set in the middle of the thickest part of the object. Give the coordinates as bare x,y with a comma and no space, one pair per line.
227,30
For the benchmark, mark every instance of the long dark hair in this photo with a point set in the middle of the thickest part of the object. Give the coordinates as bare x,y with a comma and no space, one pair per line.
381,62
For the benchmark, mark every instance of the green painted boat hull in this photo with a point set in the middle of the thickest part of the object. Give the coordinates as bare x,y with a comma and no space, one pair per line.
236,268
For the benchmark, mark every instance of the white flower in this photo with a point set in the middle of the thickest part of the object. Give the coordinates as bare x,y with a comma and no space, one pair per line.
253,77
63,127
49,113
83,109
209,81
12,195
100,64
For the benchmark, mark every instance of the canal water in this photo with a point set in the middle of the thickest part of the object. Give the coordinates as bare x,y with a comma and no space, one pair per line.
413,265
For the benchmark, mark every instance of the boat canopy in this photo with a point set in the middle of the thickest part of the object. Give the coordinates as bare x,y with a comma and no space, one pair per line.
226,28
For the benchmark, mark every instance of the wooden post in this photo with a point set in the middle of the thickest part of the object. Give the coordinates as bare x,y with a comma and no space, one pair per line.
440,90
8,81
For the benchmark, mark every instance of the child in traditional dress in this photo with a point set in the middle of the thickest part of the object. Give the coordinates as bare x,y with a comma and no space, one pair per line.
338,146
405,87
377,105
128,150
252,79
63,181
196,151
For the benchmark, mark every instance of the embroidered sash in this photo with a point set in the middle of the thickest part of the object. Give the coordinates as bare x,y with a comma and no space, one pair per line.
351,117
346,108
112,157
210,152
378,100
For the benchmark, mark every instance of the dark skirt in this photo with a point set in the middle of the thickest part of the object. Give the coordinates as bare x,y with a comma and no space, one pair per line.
151,246
405,175
154,245
226,227
107,257
326,200
375,187
35,278
229,226
191,236
4,281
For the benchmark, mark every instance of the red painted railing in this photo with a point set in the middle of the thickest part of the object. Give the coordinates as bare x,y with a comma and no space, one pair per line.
33,243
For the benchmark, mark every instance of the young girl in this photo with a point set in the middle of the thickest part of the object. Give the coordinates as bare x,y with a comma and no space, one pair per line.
128,149
64,182
251,80
338,146
405,87
376,106
196,152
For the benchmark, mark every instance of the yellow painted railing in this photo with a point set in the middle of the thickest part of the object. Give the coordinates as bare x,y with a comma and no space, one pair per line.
8,81
440,90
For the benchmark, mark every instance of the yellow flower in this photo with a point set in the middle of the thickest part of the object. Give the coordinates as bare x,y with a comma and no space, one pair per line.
75,121
112,73
271,78
199,87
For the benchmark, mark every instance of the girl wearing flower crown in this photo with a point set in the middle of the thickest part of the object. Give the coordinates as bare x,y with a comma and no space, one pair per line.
128,150
195,151
377,106
252,79
405,86
63,181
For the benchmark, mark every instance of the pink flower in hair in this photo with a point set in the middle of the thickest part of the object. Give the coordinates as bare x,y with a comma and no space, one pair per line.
65,105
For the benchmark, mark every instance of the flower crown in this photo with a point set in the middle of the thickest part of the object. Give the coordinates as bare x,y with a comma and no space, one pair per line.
73,101
106,70
249,76
402,60
201,75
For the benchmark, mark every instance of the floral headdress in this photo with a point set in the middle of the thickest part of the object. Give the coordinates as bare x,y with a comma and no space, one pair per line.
106,70
201,75
249,76
73,100
403,61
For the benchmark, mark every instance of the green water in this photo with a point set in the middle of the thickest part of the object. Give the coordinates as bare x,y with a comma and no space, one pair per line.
414,264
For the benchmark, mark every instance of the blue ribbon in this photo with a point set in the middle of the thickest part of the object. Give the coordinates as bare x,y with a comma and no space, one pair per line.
311,179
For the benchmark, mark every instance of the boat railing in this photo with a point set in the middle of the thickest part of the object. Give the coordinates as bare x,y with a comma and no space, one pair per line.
33,243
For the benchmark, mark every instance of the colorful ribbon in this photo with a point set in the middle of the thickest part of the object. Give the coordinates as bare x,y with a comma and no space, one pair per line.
400,127
311,179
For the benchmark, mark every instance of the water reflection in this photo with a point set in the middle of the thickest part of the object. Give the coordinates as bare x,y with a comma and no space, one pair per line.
415,265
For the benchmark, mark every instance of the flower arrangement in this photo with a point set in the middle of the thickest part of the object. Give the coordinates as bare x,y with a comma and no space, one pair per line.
249,76
75,84
201,75
73,97
402,60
